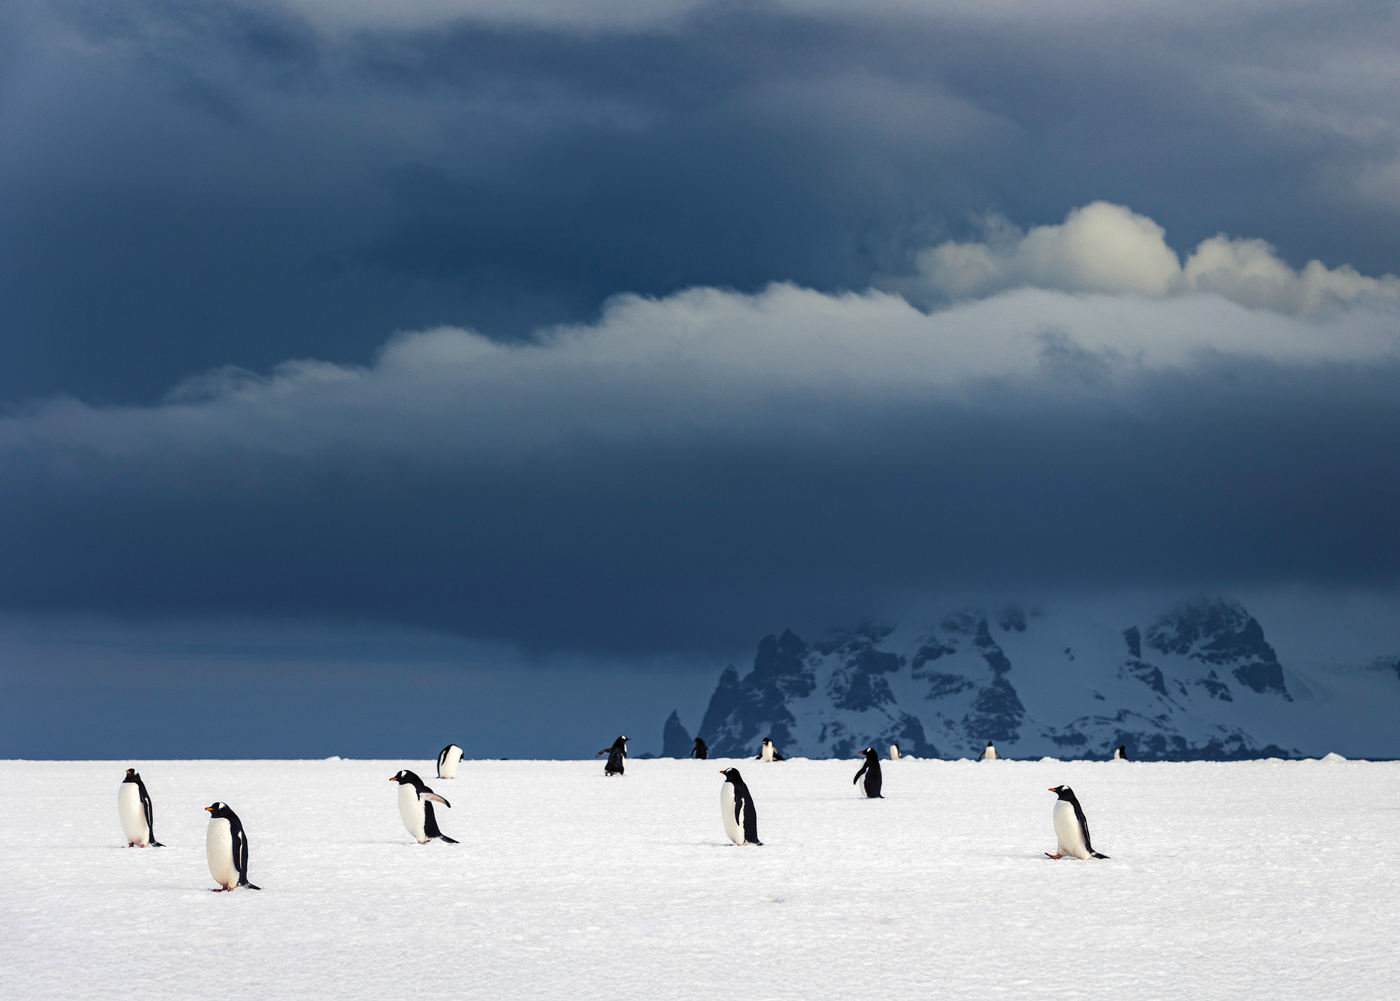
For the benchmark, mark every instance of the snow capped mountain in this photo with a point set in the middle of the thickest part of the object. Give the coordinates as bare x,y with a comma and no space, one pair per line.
1198,681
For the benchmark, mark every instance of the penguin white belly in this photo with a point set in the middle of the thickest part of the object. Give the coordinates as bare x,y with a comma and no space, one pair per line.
767,752
733,826
894,753
990,755
449,764
133,814
218,845
411,810
1068,831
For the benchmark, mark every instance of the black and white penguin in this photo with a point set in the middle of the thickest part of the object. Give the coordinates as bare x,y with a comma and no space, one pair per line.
448,759
701,750
416,808
617,757
894,752
989,753
134,809
768,752
1121,754
736,809
870,788
227,848
1071,829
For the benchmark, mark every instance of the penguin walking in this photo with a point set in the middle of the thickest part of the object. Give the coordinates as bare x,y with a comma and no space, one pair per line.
448,759
989,753
416,808
226,846
736,809
617,757
894,752
134,809
1071,829
768,752
870,788
701,750
1121,754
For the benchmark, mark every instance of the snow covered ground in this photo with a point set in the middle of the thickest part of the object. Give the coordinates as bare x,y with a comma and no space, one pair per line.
1260,879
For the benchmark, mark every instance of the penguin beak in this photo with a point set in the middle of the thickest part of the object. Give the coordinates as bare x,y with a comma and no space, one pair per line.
208,809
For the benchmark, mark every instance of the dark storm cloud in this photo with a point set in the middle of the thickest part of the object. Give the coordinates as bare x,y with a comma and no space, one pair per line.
690,471
190,185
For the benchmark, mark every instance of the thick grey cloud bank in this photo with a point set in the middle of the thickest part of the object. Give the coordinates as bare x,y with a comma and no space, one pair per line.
691,471
184,185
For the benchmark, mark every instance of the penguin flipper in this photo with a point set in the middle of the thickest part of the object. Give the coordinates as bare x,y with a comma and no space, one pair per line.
778,757
428,794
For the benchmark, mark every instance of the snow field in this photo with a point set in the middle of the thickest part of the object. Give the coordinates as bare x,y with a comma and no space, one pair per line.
1261,879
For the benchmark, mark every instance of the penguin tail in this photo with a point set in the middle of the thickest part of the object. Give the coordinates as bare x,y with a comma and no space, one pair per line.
249,886
157,844
450,841
1097,855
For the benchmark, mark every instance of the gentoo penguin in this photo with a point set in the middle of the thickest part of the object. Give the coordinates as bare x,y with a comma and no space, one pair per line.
1121,754
617,757
1071,829
448,758
227,848
870,788
736,809
701,750
989,753
768,752
894,752
134,809
416,808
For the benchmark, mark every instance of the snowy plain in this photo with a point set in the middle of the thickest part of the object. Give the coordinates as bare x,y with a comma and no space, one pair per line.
1260,879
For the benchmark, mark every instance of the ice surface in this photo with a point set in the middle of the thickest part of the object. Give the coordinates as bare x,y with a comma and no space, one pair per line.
1264,879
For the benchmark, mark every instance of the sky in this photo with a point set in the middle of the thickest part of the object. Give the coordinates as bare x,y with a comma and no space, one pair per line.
544,350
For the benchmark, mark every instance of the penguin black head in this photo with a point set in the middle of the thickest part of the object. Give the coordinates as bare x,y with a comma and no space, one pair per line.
989,743
405,777
732,775
1065,793
869,754
132,776
220,810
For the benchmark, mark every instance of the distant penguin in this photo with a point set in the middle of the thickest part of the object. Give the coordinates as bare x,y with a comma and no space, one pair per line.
1071,829
736,809
870,788
416,808
134,809
1121,754
226,846
768,752
448,759
701,750
617,757
894,752
989,753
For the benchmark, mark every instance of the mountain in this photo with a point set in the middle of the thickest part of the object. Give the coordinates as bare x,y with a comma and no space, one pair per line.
1198,681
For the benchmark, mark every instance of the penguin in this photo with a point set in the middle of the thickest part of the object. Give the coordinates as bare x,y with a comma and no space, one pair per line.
227,848
134,809
988,754
894,752
448,759
701,750
736,809
416,808
1071,829
617,757
1121,754
768,752
870,788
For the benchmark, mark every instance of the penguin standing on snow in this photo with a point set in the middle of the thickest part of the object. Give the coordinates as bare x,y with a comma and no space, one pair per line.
768,752
1121,754
736,809
134,809
1071,829
226,846
617,757
448,759
416,808
989,753
894,752
701,750
870,788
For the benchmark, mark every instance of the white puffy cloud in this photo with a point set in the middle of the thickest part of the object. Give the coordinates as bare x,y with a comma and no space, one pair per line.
1108,248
